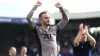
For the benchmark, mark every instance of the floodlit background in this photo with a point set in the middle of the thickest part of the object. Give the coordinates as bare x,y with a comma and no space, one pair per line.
20,8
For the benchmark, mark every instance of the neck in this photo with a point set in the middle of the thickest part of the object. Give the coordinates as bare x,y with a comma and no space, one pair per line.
12,55
45,26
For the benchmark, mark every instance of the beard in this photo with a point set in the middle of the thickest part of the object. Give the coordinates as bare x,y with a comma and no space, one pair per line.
47,24
13,54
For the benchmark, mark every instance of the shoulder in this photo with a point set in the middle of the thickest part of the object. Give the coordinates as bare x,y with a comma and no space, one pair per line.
53,27
37,28
87,43
75,47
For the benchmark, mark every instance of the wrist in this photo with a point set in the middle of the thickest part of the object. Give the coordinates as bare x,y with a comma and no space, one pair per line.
35,7
60,7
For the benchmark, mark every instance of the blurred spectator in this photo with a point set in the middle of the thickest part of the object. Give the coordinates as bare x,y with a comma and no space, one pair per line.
70,51
33,50
23,51
12,51
64,51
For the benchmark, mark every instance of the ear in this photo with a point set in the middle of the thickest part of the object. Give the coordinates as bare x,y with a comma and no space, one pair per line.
40,20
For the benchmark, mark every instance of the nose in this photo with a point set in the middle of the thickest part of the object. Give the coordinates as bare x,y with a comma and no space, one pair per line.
48,20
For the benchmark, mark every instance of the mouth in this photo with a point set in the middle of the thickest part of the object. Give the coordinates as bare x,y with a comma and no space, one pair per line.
48,22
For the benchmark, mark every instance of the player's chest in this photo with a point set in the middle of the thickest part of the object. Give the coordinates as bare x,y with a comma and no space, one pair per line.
47,35
83,47
49,31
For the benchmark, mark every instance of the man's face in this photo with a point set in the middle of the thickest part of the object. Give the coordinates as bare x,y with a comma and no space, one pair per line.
83,38
23,50
13,52
45,19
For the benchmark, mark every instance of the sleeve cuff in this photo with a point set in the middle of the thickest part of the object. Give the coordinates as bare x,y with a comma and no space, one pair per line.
35,7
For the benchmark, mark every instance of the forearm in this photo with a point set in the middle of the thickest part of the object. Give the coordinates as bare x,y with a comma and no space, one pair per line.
64,15
64,21
29,17
77,39
91,39
30,14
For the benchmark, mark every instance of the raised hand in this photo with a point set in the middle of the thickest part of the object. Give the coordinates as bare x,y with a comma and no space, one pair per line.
81,30
58,5
38,3
81,26
86,28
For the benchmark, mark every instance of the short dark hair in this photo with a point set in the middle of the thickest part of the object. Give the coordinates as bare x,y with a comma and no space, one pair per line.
42,13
